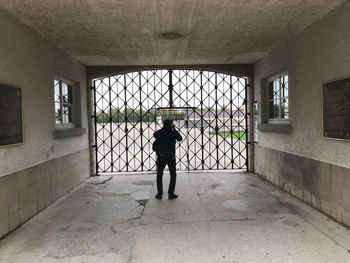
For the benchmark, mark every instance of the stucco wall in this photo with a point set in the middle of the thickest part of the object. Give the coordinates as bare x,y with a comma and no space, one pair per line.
318,54
30,63
25,193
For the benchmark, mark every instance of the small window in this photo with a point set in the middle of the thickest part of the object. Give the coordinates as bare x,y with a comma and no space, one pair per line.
63,102
278,98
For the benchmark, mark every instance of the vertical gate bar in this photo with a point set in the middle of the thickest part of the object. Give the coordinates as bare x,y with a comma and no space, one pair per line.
95,114
182,157
103,133
171,103
240,139
210,113
170,90
148,112
202,127
126,127
133,121
141,120
110,122
216,122
155,103
231,120
187,139
188,157
239,132
251,145
61,100
150,121
246,124
194,120
91,126
224,91
119,124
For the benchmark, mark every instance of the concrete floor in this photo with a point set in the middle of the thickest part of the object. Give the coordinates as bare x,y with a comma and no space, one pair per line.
219,217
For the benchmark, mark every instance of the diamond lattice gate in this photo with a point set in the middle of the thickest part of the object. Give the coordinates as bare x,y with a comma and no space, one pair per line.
208,108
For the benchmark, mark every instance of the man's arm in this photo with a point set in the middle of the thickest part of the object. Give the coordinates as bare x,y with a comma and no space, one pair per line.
156,134
178,136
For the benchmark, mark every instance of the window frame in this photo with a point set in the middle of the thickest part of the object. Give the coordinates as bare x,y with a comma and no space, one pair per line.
270,80
70,85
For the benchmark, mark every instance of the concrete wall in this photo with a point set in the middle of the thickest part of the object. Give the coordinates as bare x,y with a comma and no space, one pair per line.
25,193
322,185
317,54
30,63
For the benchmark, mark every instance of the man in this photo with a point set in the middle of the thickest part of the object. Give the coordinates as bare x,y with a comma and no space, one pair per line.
166,137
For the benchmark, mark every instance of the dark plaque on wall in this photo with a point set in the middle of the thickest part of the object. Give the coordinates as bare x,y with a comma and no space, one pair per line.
336,110
11,131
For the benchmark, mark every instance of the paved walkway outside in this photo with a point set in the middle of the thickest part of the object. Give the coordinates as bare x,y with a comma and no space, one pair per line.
228,149
219,217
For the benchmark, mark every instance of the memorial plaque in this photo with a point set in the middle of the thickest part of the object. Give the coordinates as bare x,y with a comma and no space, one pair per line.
11,131
336,110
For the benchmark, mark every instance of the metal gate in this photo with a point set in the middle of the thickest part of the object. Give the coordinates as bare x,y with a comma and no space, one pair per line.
208,108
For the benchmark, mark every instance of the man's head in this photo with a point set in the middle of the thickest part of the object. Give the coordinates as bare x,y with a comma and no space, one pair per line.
168,124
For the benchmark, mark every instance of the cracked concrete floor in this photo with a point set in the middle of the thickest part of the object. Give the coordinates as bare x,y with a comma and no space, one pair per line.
219,217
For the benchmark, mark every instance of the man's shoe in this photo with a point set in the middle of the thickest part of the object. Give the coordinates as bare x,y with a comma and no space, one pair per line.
159,196
173,196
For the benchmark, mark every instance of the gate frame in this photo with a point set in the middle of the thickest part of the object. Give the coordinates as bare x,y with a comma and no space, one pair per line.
237,70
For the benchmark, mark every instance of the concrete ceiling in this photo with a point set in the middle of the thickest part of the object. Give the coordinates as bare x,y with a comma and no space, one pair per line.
131,32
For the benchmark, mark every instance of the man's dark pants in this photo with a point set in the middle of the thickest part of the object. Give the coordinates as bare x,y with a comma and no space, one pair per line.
162,161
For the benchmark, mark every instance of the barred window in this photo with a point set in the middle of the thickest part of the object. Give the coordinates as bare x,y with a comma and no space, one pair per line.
63,102
278,98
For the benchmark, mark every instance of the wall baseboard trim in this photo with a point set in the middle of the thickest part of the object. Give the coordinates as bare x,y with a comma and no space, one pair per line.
25,193
322,185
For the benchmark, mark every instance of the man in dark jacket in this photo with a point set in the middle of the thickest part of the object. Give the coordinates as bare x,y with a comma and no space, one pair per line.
166,137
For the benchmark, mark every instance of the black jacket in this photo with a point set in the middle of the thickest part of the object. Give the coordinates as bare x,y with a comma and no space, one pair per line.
167,139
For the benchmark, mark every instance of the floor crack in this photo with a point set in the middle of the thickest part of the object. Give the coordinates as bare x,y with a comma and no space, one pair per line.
103,182
131,220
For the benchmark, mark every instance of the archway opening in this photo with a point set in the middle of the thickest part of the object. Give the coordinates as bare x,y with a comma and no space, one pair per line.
208,108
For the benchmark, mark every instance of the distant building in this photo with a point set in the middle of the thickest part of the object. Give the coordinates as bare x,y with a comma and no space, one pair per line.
194,119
